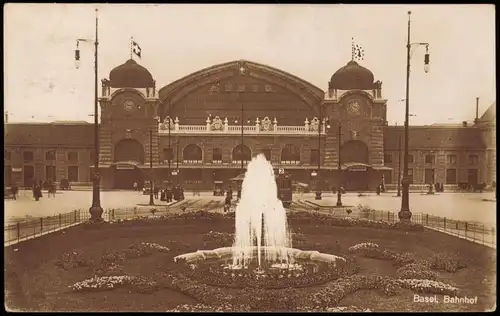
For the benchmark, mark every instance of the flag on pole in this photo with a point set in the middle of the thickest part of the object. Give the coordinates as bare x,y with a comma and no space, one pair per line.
136,49
358,53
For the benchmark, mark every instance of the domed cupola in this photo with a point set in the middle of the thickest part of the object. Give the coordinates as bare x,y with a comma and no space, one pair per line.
352,77
130,75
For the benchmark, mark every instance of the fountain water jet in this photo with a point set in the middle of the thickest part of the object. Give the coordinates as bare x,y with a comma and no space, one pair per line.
262,245
260,218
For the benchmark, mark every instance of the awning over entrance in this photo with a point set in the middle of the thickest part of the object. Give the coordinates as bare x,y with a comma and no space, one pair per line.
381,168
239,177
359,166
125,165
355,166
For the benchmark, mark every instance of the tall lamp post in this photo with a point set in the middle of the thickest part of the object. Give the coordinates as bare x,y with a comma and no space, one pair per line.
169,145
322,124
405,213
96,209
399,167
339,168
242,139
151,200
176,172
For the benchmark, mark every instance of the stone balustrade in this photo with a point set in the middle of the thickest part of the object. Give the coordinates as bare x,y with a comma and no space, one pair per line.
215,125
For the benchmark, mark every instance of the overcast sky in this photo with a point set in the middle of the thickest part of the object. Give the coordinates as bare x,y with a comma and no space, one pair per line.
309,41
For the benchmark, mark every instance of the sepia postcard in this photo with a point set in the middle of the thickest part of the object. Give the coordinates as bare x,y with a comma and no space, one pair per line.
249,158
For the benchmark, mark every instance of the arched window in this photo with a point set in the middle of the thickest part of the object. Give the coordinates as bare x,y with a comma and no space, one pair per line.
129,150
290,154
241,152
192,153
354,151
217,155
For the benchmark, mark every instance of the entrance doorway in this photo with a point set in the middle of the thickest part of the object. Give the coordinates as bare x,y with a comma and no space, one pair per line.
355,180
125,178
28,175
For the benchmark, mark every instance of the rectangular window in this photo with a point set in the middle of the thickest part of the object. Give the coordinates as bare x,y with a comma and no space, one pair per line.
73,156
50,173
451,176
429,176
429,159
73,173
228,87
168,154
410,158
217,155
241,88
50,155
473,159
255,88
6,154
388,158
410,176
28,156
314,156
451,159
267,153
269,88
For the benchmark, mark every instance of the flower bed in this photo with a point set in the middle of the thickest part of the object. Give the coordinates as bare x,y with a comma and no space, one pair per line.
72,260
218,239
363,247
210,308
402,259
327,219
302,216
428,286
417,270
105,283
448,262
332,294
371,250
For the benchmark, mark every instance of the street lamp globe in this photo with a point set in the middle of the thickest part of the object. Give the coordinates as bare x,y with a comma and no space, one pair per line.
77,57
426,63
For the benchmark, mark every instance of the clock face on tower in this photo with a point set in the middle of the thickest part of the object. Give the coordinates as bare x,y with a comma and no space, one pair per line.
128,105
354,107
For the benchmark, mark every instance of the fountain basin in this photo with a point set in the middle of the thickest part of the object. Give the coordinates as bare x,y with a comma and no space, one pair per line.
226,253
304,268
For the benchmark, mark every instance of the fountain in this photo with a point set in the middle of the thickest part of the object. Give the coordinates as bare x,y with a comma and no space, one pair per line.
262,242
260,218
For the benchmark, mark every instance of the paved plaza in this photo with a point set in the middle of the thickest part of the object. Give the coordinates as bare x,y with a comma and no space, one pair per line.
477,207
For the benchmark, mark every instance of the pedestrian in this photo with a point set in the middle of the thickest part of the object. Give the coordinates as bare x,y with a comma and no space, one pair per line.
238,193
14,190
135,186
156,191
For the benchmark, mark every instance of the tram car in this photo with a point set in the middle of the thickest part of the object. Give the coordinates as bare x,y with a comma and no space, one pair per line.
284,185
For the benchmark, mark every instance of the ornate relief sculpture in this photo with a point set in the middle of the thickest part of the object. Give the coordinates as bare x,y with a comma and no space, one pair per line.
314,125
217,124
266,124
164,125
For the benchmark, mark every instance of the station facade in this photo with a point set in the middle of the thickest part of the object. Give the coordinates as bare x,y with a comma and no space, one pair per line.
205,127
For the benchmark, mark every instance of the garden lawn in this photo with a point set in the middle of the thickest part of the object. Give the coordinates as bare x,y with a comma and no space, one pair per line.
34,282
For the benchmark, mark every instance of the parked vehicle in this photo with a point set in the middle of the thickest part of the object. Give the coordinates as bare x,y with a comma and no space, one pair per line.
218,188
65,184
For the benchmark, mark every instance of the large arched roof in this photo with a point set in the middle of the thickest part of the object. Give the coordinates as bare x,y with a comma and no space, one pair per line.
176,90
